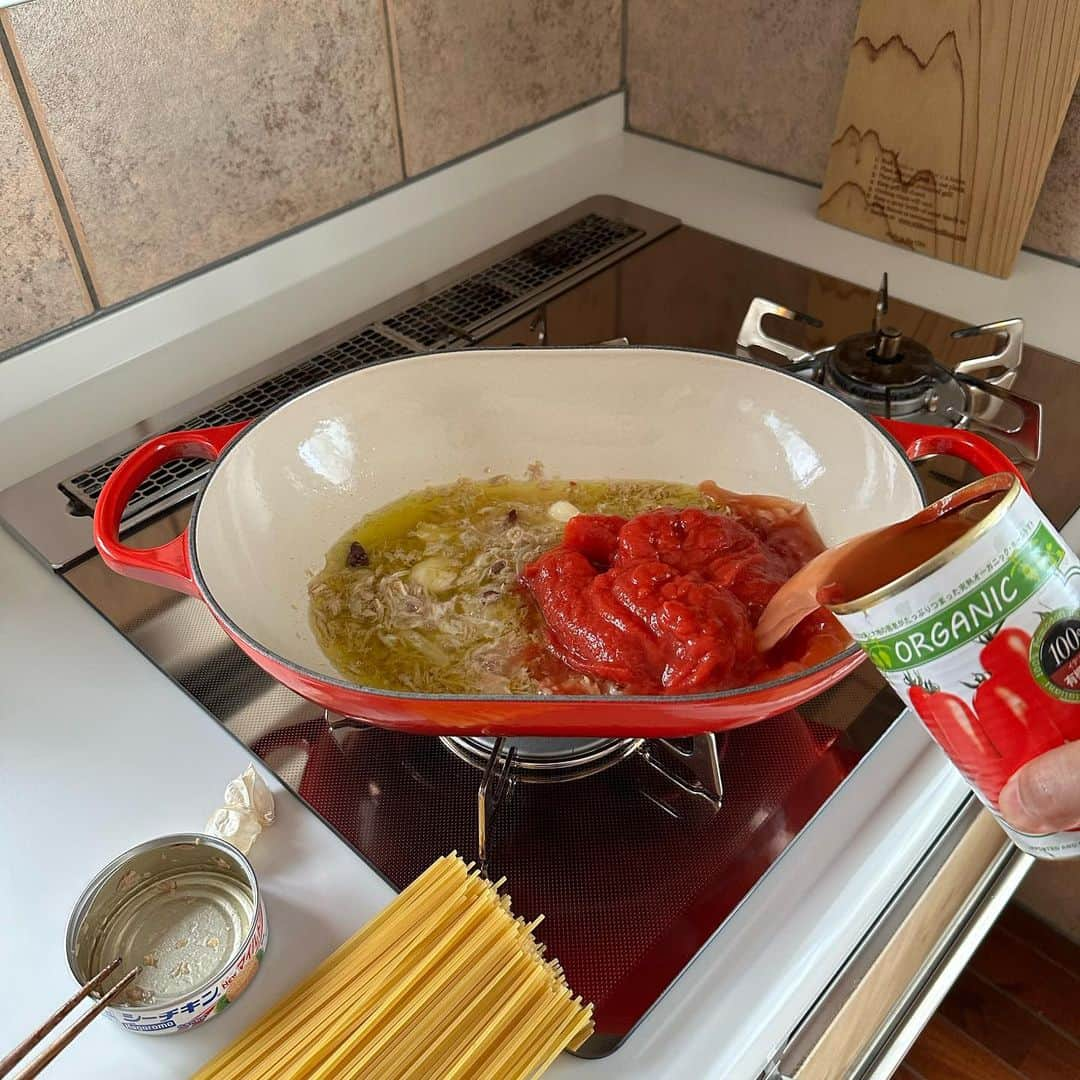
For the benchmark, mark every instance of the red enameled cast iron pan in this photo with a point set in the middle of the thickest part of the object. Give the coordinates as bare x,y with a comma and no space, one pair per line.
287,486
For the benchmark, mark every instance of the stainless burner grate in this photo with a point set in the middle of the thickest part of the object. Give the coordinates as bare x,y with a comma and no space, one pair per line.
444,319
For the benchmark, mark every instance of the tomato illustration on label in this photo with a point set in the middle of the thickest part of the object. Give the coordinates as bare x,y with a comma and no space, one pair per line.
1011,723
1011,657
962,736
1011,718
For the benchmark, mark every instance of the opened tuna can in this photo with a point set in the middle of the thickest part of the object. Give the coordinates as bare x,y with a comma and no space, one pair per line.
186,910
977,626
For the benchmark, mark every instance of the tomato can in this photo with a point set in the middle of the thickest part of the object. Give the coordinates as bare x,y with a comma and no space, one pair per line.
186,910
983,642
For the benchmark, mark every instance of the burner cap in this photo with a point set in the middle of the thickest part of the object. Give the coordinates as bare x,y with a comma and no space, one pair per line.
885,366
885,358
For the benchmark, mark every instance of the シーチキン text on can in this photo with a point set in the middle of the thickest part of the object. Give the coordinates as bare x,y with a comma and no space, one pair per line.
187,912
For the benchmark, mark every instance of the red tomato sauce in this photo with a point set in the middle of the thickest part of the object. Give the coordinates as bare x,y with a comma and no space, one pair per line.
666,602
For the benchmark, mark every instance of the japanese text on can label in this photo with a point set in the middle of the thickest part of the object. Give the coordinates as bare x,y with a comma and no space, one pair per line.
226,989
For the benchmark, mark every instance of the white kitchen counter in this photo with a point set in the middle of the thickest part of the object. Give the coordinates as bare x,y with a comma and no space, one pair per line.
100,751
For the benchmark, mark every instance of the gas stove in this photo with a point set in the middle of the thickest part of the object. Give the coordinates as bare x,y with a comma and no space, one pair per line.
884,372
637,851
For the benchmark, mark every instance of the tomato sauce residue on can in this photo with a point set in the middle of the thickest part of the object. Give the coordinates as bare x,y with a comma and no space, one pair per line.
983,641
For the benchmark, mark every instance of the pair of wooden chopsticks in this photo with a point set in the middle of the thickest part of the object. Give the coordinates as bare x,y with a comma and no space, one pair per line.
43,1059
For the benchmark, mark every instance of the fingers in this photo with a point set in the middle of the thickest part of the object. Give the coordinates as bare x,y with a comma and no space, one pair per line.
1044,795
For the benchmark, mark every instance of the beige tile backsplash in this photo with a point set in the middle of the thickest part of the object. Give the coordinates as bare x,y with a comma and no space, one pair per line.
754,80
40,287
760,81
182,131
471,72
1055,224
189,129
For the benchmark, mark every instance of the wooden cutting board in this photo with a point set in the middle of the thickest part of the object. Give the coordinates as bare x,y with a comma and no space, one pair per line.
950,113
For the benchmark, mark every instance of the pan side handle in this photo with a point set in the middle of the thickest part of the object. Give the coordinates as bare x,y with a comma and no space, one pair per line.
925,440
168,565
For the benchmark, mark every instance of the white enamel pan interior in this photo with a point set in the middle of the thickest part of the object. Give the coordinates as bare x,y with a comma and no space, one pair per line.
295,481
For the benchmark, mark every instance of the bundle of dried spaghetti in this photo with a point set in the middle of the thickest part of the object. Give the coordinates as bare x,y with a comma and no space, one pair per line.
445,982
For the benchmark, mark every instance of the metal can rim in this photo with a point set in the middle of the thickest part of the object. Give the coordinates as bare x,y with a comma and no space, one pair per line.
946,555
88,894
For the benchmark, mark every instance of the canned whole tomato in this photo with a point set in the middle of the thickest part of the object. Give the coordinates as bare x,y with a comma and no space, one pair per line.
983,640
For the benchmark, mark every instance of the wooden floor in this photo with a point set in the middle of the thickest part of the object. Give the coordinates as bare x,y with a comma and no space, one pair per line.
1014,1014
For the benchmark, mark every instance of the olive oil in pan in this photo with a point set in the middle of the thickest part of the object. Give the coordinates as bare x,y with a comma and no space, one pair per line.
422,594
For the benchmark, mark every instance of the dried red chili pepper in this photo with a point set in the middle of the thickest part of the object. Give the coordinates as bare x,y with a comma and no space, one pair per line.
357,555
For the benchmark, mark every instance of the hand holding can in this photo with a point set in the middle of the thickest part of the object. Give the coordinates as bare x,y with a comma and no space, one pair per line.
1044,795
